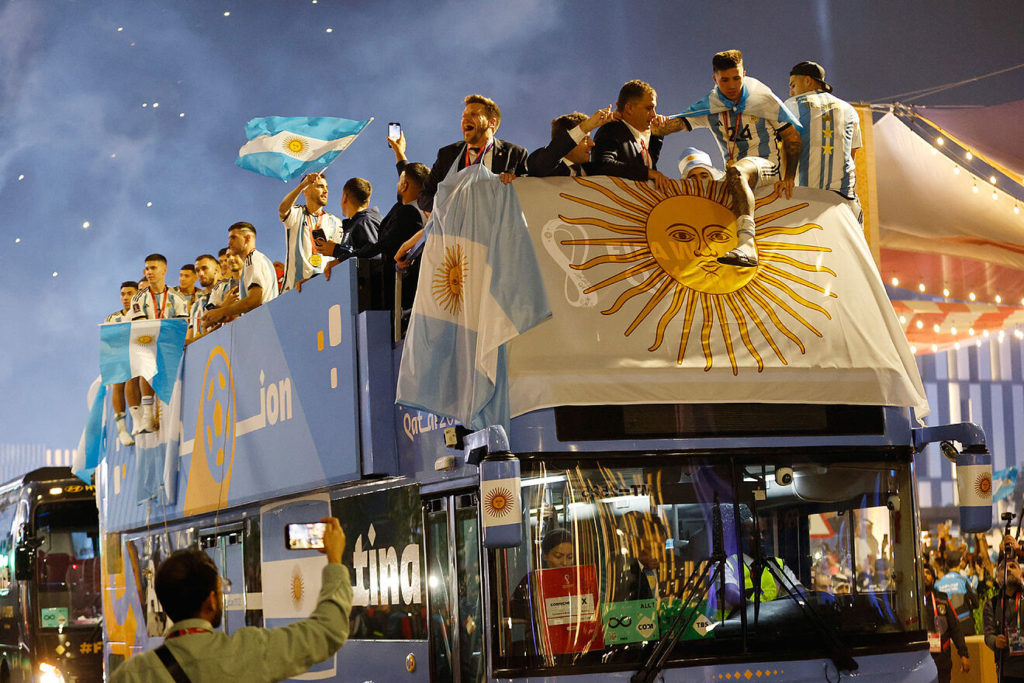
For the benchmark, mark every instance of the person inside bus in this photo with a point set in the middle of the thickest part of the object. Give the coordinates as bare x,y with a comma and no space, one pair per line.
556,552
189,588
647,536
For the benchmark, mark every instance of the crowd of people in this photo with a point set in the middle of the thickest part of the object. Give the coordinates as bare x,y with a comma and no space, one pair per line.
818,134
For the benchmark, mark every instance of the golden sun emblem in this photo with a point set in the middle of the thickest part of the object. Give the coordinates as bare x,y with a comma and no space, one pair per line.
144,339
450,280
499,502
295,145
673,242
297,588
983,485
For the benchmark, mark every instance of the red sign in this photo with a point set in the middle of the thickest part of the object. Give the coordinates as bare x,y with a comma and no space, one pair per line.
570,612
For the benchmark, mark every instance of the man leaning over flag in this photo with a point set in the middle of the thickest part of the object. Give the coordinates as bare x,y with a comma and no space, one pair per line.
258,282
157,302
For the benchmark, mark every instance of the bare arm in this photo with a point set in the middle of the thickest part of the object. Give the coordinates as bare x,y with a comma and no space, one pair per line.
289,199
791,145
253,298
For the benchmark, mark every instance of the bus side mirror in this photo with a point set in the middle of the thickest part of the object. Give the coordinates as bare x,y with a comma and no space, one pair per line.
24,561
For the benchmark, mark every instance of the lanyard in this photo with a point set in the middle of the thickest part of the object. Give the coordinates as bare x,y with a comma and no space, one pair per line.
647,155
310,226
160,308
185,632
479,155
731,145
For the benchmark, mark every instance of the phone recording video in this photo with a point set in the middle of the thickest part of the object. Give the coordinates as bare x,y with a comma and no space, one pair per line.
394,130
304,536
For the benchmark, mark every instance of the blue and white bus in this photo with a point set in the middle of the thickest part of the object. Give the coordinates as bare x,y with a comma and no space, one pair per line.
716,467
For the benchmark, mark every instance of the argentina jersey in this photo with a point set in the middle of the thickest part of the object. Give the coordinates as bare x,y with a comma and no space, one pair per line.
301,262
741,135
149,306
830,131
258,271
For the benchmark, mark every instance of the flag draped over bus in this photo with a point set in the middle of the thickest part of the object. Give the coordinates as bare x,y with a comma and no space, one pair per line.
644,313
151,349
479,287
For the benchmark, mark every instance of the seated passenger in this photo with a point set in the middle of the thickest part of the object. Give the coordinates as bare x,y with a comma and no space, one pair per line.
629,146
568,153
647,536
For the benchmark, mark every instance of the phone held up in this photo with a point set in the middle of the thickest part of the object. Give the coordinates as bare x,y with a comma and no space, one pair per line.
319,235
394,130
304,536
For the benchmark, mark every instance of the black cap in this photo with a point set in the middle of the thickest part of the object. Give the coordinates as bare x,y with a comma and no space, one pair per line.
814,70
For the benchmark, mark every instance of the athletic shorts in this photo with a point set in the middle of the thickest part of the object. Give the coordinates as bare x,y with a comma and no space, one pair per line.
766,170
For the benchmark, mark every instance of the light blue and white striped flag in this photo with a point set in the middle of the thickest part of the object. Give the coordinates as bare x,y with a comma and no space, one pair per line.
1003,483
480,286
144,348
286,147
91,445
756,99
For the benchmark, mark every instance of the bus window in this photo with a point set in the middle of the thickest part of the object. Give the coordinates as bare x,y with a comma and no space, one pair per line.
67,564
613,555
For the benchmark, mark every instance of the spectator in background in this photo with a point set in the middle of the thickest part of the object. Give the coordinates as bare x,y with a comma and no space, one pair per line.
279,271
480,120
128,290
695,164
629,147
222,256
208,272
257,282
187,283
300,222
568,153
359,229
155,303
1002,617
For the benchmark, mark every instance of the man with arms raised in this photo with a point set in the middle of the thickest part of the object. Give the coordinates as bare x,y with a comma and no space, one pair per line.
128,291
480,121
746,118
157,302
300,221
257,283
190,592
629,146
829,133
568,153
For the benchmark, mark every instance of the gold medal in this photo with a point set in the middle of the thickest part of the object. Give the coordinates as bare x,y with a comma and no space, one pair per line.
315,260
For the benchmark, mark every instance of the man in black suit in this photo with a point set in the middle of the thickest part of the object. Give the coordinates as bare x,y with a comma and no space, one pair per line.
568,153
629,146
480,120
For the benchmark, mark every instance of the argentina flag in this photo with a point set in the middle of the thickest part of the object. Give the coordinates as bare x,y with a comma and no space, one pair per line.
480,286
145,348
1004,482
757,99
286,147
91,444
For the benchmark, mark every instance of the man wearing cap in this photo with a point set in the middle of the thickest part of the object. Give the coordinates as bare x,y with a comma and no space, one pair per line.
829,133
695,164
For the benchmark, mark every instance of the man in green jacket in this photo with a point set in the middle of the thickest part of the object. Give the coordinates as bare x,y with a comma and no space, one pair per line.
189,589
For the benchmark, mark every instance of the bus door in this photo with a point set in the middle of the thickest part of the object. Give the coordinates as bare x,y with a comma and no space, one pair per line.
224,546
453,588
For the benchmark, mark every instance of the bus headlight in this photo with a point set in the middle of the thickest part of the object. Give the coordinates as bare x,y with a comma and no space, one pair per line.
48,673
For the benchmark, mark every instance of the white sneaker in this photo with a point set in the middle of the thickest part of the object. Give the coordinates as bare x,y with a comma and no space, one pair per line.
147,423
136,413
122,434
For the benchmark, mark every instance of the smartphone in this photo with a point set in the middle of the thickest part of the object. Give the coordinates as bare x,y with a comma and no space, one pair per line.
394,130
318,234
304,536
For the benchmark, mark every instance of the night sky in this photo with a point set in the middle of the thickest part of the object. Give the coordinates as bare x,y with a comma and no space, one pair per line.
120,120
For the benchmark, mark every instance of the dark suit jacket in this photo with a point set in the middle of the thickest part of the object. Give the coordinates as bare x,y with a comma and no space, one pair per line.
547,161
616,152
402,222
506,156
359,231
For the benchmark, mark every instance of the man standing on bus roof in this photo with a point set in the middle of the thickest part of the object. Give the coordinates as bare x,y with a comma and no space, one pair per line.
190,591
746,117
829,132
942,625
128,291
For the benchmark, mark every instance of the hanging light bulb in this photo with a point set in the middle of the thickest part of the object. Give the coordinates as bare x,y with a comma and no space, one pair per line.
972,296
945,292
920,287
895,282
936,328
903,318
952,331
969,156
992,179
956,170
999,299
975,189
920,324
935,348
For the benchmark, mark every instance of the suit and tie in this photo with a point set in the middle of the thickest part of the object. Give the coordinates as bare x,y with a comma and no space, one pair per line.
618,153
549,160
505,157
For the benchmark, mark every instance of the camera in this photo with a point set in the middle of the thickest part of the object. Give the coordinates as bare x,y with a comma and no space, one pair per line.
783,476
893,502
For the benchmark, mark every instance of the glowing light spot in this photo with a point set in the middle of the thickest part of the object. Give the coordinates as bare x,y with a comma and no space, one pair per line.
17,240
120,28
149,204
113,155
330,30
920,287
227,14
975,189
935,347
913,349
956,346
934,151
956,170
999,299
970,331
992,179
85,225
936,328
903,320
1016,209
895,282
181,115
155,105
145,104
21,177
995,195
969,156
945,293
54,274
972,296
984,333
920,324
952,330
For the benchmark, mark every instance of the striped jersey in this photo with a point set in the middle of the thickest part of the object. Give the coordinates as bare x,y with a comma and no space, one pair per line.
300,262
147,305
199,302
258,270
116,317
830,131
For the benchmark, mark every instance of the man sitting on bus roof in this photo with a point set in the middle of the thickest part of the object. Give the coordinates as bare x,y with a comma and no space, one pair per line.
189,589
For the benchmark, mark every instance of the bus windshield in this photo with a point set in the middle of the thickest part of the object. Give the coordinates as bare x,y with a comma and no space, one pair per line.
67,564
753,555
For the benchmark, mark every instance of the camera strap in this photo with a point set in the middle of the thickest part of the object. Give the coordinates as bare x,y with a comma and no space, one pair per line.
171,664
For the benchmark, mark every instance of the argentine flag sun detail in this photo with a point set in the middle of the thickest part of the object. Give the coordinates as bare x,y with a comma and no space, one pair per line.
671,244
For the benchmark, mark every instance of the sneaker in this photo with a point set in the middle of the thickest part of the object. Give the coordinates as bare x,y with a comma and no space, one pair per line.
136,413
122,434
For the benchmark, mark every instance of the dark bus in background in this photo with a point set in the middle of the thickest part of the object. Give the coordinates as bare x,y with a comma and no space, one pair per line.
51,610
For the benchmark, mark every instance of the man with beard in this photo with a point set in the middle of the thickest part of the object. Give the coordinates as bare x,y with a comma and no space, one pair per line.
208,273
300,222
942,625
189,589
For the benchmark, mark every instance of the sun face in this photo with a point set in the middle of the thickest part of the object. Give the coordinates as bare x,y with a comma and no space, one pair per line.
983,485
667,246
449,280
499,502
295,145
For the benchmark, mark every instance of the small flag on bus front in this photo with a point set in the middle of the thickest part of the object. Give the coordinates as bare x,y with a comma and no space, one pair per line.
500,510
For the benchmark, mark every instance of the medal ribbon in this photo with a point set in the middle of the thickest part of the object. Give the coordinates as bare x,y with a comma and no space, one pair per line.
731,145
310,227
185,632
160,308
479,155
